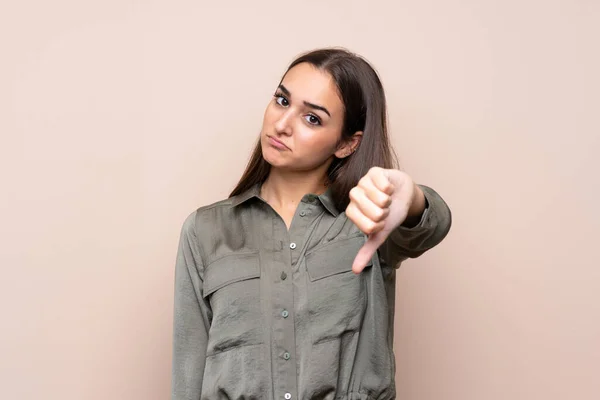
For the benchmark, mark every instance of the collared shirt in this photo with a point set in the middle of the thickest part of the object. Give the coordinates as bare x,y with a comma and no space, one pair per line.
263,312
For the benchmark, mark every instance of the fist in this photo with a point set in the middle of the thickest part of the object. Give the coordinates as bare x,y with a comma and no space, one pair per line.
380,203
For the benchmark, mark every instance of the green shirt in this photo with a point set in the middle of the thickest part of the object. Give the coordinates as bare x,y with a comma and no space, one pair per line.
263,312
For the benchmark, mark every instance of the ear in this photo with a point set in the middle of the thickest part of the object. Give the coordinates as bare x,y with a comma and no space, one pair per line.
349,146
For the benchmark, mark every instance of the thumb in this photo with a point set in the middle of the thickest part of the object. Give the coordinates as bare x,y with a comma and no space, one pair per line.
367,251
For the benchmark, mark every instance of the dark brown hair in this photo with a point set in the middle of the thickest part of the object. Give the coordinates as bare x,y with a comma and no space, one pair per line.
363,97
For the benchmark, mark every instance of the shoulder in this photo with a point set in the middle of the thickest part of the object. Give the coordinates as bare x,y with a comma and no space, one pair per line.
207,215
222,228
206,225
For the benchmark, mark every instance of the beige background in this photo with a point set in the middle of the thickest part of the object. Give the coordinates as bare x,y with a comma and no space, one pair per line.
118,118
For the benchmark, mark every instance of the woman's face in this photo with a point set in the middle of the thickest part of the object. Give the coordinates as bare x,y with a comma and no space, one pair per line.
302,126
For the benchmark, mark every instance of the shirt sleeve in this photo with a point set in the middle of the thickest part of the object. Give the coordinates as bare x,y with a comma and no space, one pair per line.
405,242
191,318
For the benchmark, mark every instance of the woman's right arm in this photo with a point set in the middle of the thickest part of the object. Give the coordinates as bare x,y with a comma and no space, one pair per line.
191,318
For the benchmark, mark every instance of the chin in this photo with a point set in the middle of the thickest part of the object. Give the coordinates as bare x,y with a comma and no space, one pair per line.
273,157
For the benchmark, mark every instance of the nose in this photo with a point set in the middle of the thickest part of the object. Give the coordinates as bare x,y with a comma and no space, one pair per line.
283,125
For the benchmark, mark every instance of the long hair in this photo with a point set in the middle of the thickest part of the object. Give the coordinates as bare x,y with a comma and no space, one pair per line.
362,94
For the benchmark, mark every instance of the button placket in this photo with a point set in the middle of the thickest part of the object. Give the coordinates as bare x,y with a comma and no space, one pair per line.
283,329
302,221
283,334
283,362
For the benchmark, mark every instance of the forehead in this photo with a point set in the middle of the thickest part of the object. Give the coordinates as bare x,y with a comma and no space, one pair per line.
308,83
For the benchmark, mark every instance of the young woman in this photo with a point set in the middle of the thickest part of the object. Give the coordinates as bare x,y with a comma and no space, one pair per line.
285,290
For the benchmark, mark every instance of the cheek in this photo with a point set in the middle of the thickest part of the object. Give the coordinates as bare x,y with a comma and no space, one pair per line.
319,142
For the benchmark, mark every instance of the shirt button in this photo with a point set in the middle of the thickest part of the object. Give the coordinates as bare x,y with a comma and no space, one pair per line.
302,213
283,275
292,246
286,356
285,313
287,396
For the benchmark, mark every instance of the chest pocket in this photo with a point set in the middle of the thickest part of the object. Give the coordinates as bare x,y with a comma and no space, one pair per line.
336,296
232,286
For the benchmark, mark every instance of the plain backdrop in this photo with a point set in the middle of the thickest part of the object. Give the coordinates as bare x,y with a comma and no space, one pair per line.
119,118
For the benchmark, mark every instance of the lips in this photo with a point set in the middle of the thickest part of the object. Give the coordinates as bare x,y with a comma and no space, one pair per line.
277,143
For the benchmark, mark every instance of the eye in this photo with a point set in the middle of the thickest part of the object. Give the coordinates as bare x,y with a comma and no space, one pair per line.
312,119
281,100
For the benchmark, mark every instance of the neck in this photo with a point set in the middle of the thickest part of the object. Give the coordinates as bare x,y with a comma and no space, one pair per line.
284,189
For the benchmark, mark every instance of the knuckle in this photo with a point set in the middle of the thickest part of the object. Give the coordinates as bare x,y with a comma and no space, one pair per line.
370,226
386,200
350,210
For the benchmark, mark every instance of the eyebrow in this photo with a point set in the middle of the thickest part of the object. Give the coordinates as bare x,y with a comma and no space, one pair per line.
311,105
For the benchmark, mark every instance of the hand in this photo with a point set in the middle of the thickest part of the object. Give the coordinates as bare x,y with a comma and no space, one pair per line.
379,203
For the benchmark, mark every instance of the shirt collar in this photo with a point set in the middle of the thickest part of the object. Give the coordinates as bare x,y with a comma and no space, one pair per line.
254,191
325,198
